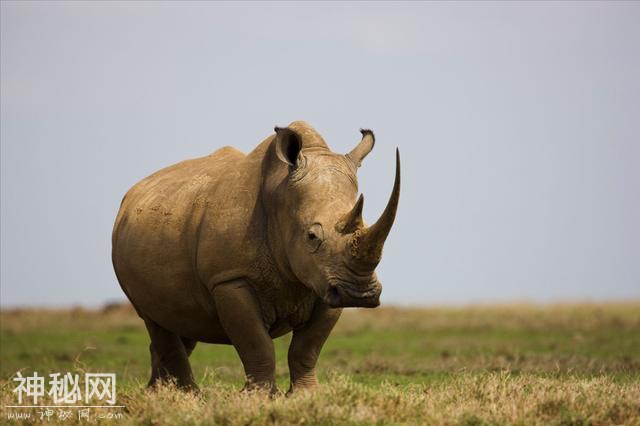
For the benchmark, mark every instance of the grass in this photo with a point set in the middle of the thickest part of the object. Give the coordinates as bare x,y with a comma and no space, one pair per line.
511,364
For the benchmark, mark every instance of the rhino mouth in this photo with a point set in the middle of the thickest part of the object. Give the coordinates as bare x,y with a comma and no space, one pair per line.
346,294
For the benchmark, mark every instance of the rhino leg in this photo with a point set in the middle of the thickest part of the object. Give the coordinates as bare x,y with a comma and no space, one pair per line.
189,345
306,344
158,371
241,318
169,357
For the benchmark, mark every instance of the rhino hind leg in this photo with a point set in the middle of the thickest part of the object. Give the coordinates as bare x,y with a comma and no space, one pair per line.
189,345
170,357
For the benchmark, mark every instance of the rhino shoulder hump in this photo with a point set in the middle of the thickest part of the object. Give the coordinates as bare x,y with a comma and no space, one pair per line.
227,151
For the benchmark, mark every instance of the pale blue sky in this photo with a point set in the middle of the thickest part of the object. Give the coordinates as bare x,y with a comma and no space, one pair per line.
518,126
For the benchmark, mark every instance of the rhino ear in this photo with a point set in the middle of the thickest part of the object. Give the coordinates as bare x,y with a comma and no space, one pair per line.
288,145
363,148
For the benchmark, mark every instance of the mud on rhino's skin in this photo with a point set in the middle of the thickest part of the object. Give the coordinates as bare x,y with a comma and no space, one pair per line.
239,249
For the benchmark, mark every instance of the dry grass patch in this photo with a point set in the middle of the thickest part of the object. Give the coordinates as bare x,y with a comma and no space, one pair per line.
508,364
492,398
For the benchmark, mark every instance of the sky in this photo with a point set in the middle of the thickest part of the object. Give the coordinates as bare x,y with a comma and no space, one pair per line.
518,126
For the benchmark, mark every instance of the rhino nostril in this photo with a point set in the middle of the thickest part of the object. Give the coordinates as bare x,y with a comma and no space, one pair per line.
333,292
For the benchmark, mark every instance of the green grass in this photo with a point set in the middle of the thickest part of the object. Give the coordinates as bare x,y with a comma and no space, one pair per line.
556,364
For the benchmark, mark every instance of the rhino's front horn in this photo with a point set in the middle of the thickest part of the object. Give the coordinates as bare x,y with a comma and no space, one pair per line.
371,240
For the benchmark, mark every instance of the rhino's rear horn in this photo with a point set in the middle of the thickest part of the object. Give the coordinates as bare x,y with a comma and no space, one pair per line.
352,220
372,239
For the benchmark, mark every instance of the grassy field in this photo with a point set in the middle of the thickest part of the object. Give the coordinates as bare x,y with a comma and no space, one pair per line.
512,364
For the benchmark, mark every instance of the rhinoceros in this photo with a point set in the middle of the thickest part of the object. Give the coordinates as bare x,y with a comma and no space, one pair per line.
240,249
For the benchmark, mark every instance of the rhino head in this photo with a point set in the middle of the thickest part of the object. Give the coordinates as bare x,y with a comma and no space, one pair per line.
315,227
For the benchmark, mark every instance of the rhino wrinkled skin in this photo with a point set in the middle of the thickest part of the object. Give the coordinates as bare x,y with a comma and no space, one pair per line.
240,249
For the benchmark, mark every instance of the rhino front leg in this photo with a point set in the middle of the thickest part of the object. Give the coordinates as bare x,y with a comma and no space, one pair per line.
306,344
241,319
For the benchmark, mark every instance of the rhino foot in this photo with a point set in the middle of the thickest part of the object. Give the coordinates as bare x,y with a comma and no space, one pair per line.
269,388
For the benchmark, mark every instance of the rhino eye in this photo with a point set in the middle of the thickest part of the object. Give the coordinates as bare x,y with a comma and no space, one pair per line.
315,236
